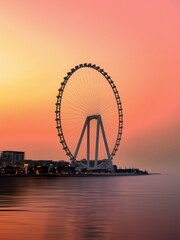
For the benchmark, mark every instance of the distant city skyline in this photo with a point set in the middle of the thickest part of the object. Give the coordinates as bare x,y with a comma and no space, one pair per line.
136,42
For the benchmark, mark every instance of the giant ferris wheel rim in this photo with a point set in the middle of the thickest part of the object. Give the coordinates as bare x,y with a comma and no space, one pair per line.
59,100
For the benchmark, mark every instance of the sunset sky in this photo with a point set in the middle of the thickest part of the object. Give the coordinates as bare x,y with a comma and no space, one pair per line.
137,42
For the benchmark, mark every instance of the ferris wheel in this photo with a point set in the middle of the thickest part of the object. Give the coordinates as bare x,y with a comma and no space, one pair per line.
89,116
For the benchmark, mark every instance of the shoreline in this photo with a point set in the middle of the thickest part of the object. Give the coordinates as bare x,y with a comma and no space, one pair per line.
82,175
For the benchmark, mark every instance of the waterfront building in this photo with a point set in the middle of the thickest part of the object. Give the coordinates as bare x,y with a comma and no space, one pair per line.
102,165
9,158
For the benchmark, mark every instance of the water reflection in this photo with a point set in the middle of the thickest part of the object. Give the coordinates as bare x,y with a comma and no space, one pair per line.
82,207
144,207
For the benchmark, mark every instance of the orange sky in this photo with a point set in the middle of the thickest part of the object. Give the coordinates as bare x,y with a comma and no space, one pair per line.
136,42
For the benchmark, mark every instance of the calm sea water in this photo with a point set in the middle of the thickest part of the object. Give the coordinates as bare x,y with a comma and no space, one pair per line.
136,207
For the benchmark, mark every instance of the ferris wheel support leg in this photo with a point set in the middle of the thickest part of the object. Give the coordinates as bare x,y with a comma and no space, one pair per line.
80,139
97,144
106,144
104,138
88,141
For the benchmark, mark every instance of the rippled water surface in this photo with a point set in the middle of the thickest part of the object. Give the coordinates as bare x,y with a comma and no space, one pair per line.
135,207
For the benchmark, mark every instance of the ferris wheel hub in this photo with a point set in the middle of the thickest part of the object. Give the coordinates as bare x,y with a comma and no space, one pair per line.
93,117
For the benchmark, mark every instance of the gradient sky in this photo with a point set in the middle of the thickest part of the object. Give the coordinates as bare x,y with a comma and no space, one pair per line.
137,42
